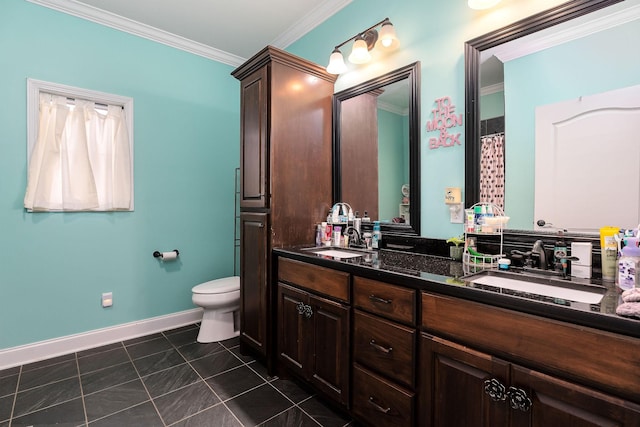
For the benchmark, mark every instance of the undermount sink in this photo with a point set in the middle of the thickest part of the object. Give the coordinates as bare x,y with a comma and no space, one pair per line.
544,288
341,253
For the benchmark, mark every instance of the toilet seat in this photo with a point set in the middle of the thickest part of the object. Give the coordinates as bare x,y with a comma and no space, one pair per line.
218,286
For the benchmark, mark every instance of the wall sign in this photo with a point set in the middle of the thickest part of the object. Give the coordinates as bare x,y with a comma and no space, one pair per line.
444,118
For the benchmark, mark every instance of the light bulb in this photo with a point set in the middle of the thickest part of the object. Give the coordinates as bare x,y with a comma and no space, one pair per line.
336,63
359,52
387,34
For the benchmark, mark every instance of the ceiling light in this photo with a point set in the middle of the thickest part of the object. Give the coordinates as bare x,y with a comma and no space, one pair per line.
336,63
359,52
482,4
363,43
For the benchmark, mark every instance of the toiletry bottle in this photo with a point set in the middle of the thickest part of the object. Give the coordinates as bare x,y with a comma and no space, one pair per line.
328,235
477,218
559,252
337,236
329,217
628,273
366,218
377,235
319,234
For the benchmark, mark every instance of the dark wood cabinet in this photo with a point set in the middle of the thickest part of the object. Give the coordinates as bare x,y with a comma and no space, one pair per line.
253,279
461,385
493,392
285,173
253,134
313,340
453,385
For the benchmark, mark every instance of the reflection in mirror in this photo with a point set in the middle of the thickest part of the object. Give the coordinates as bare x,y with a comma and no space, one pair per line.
376,149
503,120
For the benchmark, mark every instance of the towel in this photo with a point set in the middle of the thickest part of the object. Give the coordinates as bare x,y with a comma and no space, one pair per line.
631,295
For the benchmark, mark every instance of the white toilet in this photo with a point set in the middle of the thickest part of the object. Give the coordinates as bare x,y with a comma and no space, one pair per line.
220,300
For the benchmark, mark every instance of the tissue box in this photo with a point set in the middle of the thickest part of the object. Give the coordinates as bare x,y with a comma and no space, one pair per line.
582,267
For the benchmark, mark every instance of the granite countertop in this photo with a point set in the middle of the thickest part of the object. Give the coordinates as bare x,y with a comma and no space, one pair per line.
445,276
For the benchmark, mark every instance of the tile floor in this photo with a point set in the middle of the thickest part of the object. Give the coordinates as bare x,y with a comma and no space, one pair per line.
164,379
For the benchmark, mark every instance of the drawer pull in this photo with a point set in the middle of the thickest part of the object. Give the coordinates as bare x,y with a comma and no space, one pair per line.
385,350
380,300
300,306
518,399
378,407
308,312
495,389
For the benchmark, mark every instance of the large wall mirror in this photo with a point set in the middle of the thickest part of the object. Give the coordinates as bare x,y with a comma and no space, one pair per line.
376,143
544,72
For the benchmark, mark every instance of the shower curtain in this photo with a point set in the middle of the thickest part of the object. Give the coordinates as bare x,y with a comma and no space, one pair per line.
492,169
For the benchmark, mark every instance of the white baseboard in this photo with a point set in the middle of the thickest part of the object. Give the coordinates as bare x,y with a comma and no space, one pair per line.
20,355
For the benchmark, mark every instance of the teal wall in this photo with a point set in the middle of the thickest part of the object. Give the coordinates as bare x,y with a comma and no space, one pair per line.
54,267
492,105
601,54
433,33
393,142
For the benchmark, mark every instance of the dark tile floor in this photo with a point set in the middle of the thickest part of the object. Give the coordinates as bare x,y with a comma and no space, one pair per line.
164,379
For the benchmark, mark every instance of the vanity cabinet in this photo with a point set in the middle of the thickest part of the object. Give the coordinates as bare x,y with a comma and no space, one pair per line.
285,173
556,373
313,326
384,353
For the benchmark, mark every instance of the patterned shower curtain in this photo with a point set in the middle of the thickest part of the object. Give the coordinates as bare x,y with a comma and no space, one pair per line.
492,169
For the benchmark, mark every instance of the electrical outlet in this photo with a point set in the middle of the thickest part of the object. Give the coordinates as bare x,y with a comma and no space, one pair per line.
107,299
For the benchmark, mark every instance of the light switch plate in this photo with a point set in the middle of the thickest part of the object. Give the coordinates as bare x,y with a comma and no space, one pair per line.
107,299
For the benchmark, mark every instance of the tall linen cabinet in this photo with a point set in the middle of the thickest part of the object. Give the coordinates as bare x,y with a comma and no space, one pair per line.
285,175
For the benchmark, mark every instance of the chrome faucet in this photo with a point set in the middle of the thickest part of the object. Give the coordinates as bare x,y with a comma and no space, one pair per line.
538,248
355,239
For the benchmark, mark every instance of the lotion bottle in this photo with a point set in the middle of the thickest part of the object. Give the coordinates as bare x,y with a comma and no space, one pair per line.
377,235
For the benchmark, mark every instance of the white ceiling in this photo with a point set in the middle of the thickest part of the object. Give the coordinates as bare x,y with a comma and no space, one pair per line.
229,31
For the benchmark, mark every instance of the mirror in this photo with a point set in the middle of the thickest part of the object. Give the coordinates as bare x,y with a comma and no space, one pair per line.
518,32
376,148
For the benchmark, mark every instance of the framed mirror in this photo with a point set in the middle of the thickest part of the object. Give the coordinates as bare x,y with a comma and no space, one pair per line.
376,149
571,15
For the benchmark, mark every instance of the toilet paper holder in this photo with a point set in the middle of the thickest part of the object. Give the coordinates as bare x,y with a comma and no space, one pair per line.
158,254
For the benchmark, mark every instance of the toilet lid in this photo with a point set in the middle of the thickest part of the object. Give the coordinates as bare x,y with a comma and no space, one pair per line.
218,286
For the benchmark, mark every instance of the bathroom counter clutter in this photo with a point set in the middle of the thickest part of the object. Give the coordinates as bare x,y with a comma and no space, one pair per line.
572,301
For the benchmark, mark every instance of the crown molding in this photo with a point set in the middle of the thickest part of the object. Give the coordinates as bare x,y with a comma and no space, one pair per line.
488,90
102,17
310,21
528,45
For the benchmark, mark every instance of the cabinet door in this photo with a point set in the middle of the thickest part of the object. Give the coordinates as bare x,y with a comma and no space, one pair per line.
254,140
554,402
453,382
253,280
330,348
293,343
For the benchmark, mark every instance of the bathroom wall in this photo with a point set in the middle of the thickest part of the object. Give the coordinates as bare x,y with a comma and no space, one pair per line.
603,55
393,141
54,266
434,34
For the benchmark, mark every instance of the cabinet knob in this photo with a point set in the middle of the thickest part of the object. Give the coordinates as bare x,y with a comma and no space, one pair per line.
380,300
495,389
373,403
518,399
385,350
308,312
300,306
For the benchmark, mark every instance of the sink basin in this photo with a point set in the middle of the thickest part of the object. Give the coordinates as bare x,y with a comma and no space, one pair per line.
543,288
337,252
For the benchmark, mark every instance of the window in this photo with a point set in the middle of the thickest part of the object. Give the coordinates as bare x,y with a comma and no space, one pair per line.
79,150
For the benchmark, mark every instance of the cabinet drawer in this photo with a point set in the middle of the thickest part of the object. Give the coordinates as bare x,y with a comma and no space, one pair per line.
321,280
395,302
385,347
379,402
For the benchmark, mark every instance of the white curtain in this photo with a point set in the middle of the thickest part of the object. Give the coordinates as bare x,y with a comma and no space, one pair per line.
81,160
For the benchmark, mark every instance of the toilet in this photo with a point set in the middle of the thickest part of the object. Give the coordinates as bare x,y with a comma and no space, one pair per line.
220,300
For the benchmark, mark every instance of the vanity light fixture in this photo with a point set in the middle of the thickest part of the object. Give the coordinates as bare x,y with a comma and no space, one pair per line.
482,4
363,43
